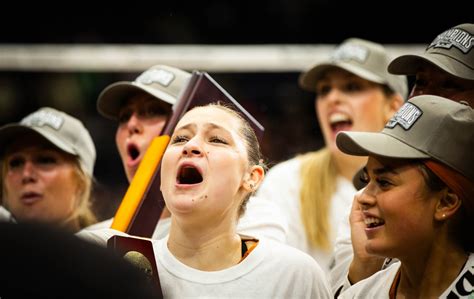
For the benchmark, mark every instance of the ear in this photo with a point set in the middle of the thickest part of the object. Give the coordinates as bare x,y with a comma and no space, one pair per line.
394,103
447,205
254,178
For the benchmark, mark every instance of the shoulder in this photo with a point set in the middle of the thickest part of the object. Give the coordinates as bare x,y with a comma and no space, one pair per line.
374,286
291,164
289,256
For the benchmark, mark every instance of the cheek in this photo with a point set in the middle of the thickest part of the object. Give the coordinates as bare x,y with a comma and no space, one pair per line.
120,137
155,127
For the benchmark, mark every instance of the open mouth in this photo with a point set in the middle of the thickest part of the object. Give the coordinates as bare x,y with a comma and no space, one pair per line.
340,122
133,151
372,222
189,175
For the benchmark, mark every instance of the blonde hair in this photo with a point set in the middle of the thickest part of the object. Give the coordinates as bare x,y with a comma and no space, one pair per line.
318,182
83,210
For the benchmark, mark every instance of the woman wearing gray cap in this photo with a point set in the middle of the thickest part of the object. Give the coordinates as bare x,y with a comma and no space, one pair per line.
47,169
354,91
418,200
444,69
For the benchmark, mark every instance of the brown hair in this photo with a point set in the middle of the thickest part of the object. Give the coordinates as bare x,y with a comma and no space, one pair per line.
255,156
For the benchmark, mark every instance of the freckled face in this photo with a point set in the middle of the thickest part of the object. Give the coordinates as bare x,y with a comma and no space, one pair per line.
204,166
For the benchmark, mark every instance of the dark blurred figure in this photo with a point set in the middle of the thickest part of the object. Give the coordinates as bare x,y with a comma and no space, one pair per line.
42,262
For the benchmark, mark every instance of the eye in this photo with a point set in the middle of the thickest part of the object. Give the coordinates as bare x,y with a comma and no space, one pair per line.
420,82
322,90
46,160
153,109
353,87
179,139
383,183
15,162
124,116
216,139
451,84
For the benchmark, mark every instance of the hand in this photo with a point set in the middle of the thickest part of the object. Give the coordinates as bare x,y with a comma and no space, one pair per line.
363,264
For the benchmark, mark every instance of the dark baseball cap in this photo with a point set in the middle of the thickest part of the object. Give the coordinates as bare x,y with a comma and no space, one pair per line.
426,127
452,51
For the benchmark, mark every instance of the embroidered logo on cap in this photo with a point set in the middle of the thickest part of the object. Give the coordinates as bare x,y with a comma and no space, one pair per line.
406,116
350,52
43,118
454,37
159,76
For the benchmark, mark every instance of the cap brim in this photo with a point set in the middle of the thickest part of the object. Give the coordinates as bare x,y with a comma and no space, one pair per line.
113,96
308,79
11,133
377,144
409,65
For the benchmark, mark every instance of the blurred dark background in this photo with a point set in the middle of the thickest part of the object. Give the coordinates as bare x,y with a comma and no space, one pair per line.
274,98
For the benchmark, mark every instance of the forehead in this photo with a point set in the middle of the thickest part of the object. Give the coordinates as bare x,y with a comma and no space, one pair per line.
209,114
336,73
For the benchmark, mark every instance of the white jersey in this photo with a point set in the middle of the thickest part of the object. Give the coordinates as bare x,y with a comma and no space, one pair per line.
282,185
5,215
271,270
379,284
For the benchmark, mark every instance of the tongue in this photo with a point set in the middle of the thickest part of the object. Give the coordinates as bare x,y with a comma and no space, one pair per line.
341,126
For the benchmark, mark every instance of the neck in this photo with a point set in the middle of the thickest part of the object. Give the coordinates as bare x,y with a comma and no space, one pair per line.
430,276
210,249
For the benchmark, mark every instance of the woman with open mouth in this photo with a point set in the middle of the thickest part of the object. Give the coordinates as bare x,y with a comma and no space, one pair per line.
209,170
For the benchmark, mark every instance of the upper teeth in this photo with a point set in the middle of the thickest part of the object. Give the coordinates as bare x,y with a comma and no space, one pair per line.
338,117
372,221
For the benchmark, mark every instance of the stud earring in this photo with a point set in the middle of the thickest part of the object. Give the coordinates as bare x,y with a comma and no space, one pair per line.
251,186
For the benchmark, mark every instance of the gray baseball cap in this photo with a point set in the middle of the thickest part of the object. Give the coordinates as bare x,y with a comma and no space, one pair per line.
162,82
452,51
363,58
426,127
62,130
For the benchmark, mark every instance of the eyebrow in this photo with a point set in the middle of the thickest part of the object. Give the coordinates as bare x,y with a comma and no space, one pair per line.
208,126
383,170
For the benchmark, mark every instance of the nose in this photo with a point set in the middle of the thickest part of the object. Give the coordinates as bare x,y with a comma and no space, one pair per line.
192,148
134,125
334,95
365,198
28,173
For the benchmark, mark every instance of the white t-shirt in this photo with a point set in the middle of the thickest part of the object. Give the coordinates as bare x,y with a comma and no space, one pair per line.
379,284
262,219
271,270
282,185
5,215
